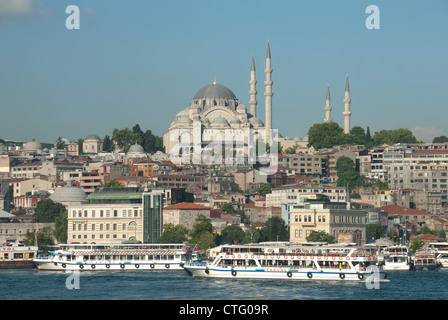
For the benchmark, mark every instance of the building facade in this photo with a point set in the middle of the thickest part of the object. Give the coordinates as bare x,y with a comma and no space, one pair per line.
117,215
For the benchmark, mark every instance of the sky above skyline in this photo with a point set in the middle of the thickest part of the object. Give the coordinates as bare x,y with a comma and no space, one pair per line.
142,61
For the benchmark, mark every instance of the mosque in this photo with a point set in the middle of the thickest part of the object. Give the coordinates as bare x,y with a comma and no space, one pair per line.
215,106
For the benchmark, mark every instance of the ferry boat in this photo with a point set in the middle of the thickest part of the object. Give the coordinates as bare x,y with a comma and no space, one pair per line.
16,255
117,257
397,258
425,260
292,262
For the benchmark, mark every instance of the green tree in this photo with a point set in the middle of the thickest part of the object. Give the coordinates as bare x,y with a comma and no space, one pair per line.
48,210
80,144
173,234
440,139
202,232
111,184
324,135
274,229
60,227
232,235
124,138
346,173
320,236
400,135
108,146
374,231
264,189
252,235
227,208
416,244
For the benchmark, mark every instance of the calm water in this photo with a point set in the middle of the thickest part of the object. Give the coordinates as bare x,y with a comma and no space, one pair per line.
161,285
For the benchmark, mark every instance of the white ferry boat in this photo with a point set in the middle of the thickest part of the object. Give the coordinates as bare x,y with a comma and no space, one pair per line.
397,258
292,262
117,257
425,260
16,255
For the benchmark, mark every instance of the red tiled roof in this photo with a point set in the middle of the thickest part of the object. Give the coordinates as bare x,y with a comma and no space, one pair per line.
393,209
186,206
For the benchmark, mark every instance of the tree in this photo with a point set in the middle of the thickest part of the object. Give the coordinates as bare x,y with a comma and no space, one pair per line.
227,208
346,173
274,230
440,139
80,143
124,138
400,135
252,235
48,210
264,189
108,146
416,244
60,144
60,227
111,184
374,231
320,236
202,232
232,235
324,135
173,234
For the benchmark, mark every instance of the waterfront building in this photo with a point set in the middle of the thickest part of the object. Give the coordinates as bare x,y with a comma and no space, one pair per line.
114,215
334,218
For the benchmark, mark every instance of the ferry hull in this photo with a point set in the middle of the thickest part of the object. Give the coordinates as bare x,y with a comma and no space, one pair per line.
16,264
125,266
286,274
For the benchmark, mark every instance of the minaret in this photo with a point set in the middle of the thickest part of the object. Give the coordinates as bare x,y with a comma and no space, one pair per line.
328,107
268,93
347,112
253,90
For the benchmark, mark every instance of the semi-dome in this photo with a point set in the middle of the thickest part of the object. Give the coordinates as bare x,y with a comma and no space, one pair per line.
32,145
215,91
68,194
235,120
92,137
255,120
220,120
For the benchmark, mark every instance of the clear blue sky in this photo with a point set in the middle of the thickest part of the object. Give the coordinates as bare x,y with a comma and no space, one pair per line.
142,61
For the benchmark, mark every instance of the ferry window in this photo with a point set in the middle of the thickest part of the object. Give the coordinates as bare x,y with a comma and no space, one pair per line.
18,255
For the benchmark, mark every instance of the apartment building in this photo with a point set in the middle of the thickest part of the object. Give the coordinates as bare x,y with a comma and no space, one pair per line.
291,194
346,225
117,214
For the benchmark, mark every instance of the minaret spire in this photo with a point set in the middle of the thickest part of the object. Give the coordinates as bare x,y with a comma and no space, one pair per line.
328,107
253,90
347,112
268,92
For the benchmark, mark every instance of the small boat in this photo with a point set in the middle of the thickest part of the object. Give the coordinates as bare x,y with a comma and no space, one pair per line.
442,261
16,255
117,257
425,260
397,258
291,262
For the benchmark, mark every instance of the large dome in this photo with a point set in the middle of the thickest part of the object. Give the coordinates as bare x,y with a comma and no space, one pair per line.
68,194
215,91
32,145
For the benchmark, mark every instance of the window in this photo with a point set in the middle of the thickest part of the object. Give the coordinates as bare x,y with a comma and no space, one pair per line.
115,213
296,218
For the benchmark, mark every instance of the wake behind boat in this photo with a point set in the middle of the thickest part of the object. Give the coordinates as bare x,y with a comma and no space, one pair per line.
117,257
292,262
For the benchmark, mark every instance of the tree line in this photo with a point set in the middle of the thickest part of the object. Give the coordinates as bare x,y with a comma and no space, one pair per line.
327,135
